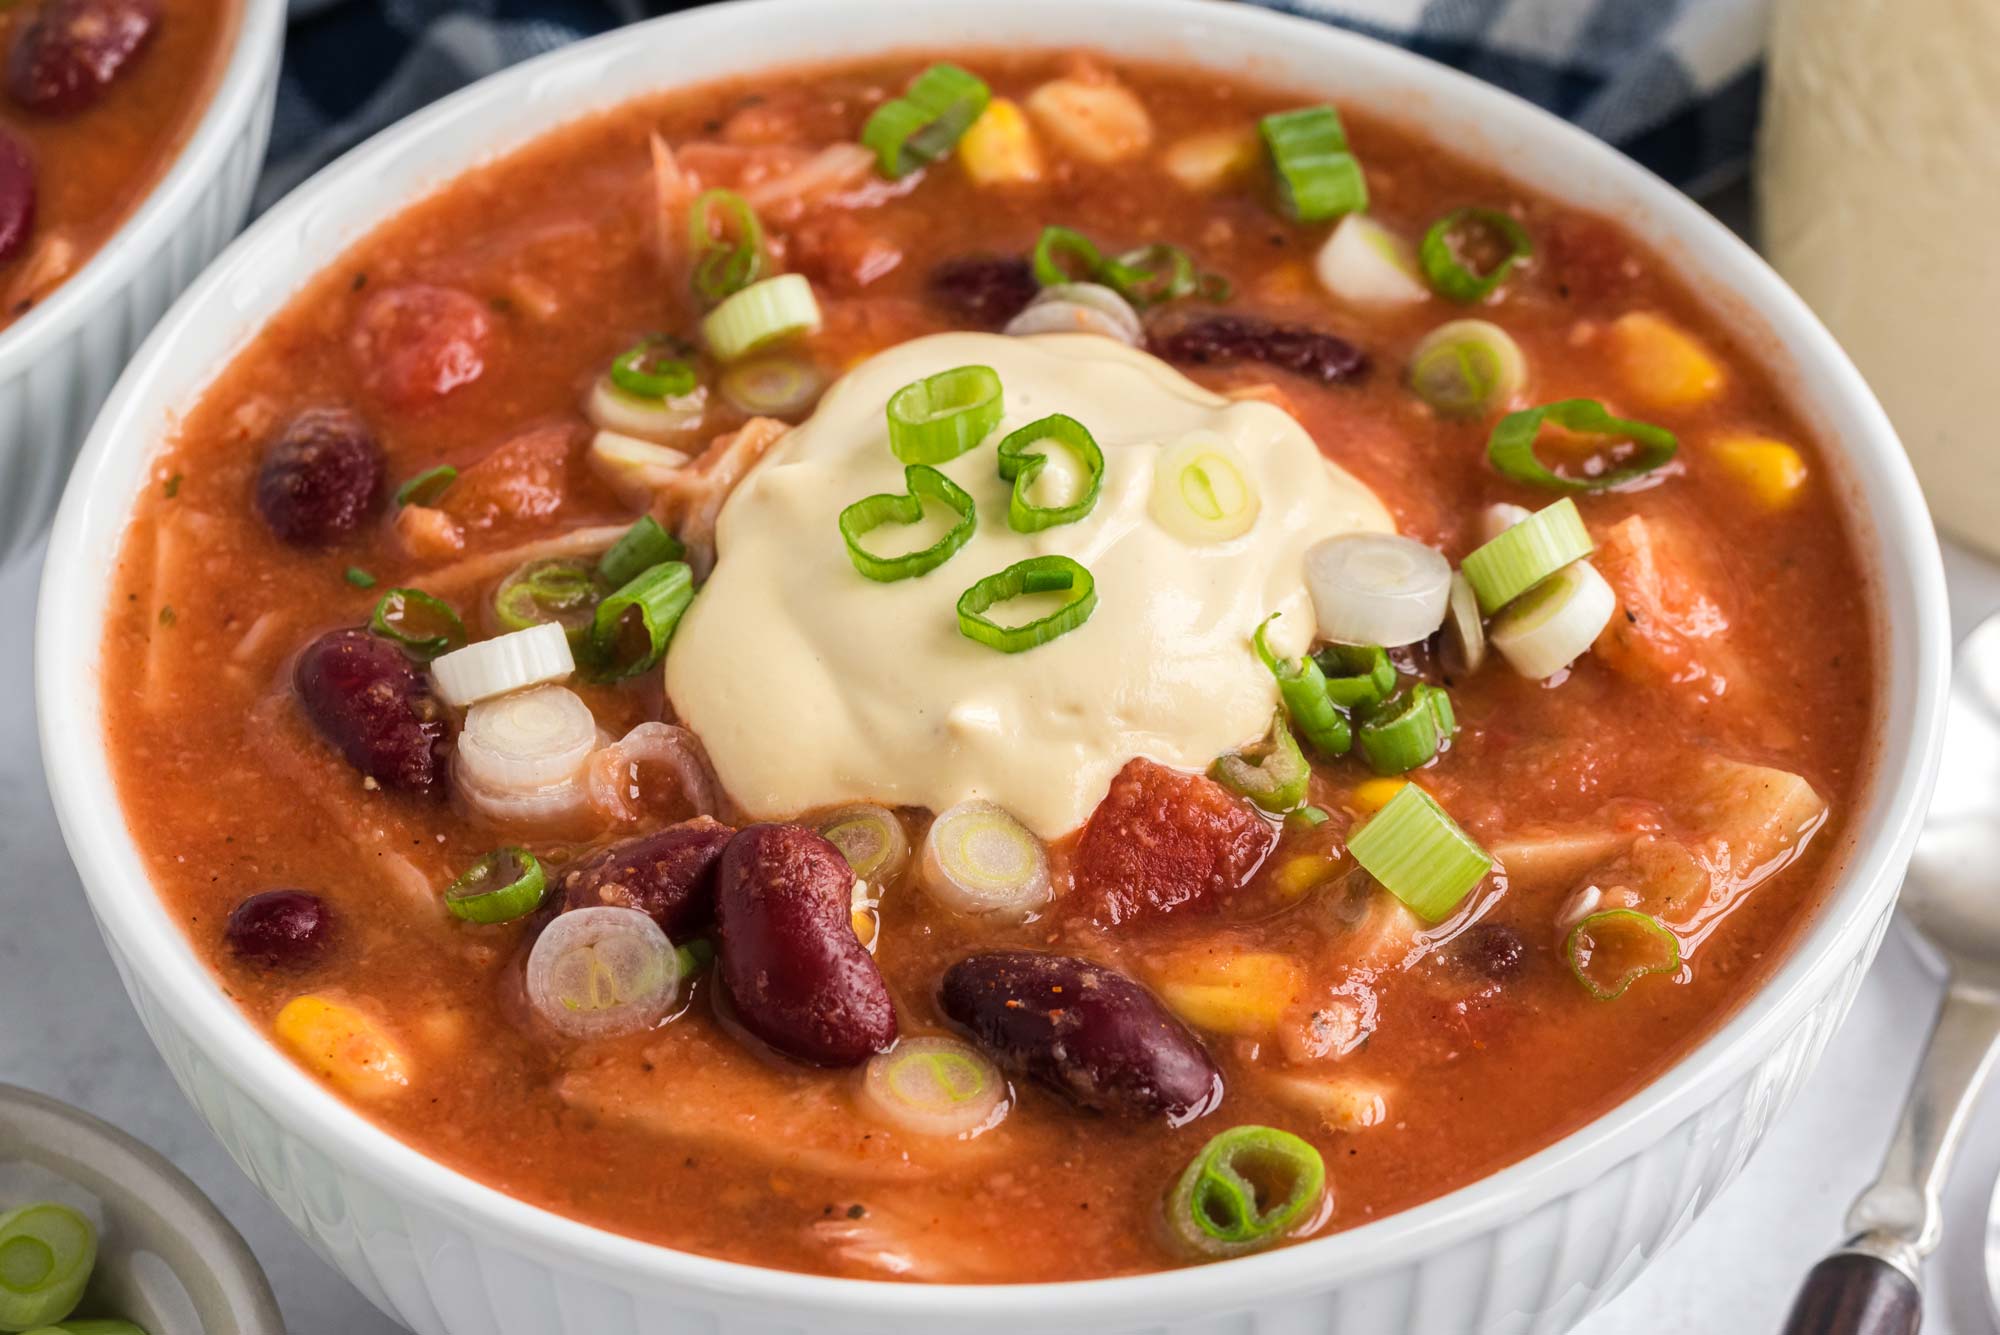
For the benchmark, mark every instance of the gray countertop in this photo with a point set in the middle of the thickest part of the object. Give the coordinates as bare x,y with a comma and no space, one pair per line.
70,1032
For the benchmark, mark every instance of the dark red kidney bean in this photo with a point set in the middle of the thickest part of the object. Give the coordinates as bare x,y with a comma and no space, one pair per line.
418,342
75,49
669,876
985,291
1299,349
795,973
1492,951
1087,1032
365,698
280,929
321,477
17,196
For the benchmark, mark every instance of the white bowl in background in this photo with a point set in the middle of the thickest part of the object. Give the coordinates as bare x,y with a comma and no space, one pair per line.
58,362
1528,1249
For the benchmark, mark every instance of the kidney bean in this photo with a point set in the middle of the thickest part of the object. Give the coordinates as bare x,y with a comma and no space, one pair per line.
17,196
419,342
280,929
985,291
1087,1032
669,875
795,972
365,697
1236,338
1492,950
320,478
75,49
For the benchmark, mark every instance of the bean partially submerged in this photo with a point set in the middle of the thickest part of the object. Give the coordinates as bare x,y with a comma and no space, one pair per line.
1087,1032
669,875
365,697
280,929
320,478
75,49
1302,350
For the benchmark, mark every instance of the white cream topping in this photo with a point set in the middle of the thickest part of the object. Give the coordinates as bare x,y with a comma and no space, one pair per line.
811,685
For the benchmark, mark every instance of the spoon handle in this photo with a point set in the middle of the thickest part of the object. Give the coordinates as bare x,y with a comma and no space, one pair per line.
1869,1287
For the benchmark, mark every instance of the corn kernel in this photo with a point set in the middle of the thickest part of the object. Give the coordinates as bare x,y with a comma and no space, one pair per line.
1205,162
343,1046
1300,873
1662,364
1099,122
1771,469
864,926
1232,994
1372,795
1000,148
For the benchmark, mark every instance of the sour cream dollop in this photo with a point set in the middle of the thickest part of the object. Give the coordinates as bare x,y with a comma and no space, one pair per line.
811,685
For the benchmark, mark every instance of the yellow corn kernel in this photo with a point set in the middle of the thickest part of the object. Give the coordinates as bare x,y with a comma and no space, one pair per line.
1771,469
343,1046
1001,148
864,926
1662,364
1242,994
1205,162
1099,122
1372,795
1301,872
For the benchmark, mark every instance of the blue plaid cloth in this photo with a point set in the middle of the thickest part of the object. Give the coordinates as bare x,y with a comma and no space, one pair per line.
1672,82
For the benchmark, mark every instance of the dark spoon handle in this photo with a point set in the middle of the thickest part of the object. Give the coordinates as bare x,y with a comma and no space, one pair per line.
1850,1293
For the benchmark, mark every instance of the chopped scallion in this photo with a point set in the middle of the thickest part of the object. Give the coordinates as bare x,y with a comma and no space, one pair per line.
1419,854
360,578
646,371
632,627
1318,177
560,590
1302,688
46,1255
760,315
504,885
912,131
1145,276
1248,1187
1273,773
643,546
1511,446
1037,574
1526,554
1406,731
1357,675
424,626
1451,236
1021,462
729,257
871,512
1614,948
942,416
1467,368
426,487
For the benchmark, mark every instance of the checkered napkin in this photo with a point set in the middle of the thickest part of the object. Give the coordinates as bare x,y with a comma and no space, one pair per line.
1672,82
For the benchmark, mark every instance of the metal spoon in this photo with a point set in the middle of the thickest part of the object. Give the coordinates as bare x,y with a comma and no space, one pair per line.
1952,902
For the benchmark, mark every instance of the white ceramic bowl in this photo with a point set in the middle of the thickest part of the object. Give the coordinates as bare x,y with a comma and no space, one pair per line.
58,362
1530,1248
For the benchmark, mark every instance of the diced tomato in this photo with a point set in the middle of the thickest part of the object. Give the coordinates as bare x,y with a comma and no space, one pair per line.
1664,630
418,342
525,478
840,252
1162,841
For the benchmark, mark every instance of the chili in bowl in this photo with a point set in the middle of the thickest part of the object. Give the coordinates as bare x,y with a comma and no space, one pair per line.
1120,684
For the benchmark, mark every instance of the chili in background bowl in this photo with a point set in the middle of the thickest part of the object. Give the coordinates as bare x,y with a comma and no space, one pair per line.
60,358
1533,1246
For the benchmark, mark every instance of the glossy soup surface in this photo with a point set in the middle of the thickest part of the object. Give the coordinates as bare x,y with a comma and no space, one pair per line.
1414,1060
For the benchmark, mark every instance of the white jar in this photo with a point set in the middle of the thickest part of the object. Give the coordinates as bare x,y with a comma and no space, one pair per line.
1879,187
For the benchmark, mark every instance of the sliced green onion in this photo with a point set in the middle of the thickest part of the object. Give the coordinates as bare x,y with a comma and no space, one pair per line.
942,416
424,626
776,386
504,885
726,260
1523,556
1318,177
1406,731
1467,368
1037,574
1377,588
1248,1188
1419,854
979,860
1053,251
1145,276
1273,773
871,838
1021,463
1357,675
934,1087
643,546
693,957
633,625
645,373
1202,490
426,487
916,129
561,590
360,578
602,971
1306,818
871,512
1511,447
1302,687
1614,948
1464,632
46,1254
1553,624
1363,263
1451,276
760,315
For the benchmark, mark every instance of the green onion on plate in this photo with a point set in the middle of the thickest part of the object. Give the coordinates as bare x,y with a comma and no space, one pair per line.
46,1255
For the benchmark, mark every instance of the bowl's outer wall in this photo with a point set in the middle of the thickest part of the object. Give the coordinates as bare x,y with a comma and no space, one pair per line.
56,372
1528,1249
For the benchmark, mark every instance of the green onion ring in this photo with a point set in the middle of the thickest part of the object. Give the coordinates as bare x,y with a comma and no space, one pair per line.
433,629
1037,574
47,1252
1145,276
916,129
506,884
643,546
871,512
1405,731
1302,687
1272,773
1021,463
558,589
1640,930
641,372
1052,249
723,266
1419,854
1220,1205
1318,176
1511,447
940,417
1356,674
426,487
1450,276
650,604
